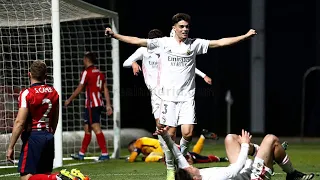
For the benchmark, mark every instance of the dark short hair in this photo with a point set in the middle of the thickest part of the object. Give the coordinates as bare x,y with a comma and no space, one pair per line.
182,174
91,56
179,17
155,33
38,70
131,142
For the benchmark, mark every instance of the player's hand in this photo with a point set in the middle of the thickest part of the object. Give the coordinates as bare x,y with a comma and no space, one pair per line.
108,32
245,137
161,131
208,80
109,110
67,102
10,155
136,68
251,33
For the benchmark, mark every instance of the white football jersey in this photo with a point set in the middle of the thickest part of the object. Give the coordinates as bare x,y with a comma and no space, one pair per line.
239,170
149,65
177,66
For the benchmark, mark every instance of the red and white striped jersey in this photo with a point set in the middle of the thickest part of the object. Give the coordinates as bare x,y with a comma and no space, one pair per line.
94,82
40,99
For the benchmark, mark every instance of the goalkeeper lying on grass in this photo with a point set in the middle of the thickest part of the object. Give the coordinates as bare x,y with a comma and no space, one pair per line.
152,151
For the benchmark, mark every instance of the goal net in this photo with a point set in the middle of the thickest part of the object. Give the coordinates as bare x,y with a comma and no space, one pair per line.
26,35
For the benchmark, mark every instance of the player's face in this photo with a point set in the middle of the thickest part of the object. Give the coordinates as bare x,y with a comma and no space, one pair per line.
182,29
85,61
195,173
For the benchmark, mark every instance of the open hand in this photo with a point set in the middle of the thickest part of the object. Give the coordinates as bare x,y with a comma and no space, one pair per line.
245,137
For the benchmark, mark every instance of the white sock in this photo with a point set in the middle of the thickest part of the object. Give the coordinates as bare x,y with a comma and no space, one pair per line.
286,165
182,162
184,146
168,154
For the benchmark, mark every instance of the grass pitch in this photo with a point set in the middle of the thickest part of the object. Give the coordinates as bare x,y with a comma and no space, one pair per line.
305,157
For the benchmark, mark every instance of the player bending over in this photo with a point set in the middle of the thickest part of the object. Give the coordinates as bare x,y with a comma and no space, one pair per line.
238,148
152,150
150,68
95,83
176,85
36,122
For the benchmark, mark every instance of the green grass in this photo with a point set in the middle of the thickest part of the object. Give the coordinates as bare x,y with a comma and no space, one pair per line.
305,157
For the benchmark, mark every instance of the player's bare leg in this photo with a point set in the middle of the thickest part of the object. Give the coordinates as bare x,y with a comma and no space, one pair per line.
101,141
271,150
186,130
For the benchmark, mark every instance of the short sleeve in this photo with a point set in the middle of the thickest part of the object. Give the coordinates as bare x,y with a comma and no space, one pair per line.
201,46
23,99
84,79
155,43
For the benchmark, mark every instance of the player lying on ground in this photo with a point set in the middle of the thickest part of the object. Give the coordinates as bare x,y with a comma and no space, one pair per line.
94,81
150,68
36,122
153,152
237,148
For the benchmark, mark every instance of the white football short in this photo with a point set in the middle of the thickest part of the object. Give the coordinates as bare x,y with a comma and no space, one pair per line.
177,113
155,104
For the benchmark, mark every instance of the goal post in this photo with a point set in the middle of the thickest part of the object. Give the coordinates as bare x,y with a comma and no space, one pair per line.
29,30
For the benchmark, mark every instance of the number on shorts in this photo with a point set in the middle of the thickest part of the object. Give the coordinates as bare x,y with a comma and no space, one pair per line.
165,109
99,82
45,118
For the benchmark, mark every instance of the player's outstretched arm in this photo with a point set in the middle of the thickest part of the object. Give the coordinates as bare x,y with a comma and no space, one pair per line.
107,96
17,130
74,94
206,78
231,40
126,39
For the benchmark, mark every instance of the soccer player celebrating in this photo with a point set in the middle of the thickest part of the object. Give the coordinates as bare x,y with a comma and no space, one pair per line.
36,122
238,148
150,68
176,86
94,82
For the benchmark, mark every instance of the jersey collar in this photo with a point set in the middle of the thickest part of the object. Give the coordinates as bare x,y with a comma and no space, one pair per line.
38,84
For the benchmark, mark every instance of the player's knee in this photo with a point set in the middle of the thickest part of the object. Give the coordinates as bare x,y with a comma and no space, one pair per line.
231,138
96,128
271,139
187,134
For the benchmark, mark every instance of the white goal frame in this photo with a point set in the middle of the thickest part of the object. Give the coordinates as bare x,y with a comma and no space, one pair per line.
58,162
70,12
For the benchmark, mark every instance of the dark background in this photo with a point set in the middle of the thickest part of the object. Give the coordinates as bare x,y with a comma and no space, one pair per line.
291,42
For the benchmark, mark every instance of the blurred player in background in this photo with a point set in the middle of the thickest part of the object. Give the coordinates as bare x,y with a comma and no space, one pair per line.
152,150
36,122
94,82
150,68
176,86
